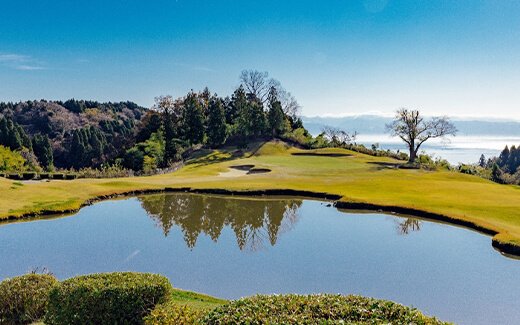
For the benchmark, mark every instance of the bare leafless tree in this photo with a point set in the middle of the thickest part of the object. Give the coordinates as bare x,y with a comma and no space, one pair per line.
339,137
259,84
411,127
256,83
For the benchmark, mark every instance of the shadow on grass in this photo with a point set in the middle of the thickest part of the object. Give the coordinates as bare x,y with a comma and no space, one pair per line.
384,165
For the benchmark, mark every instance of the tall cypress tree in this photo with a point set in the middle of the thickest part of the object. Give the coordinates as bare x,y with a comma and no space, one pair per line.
193,120
15,142
216,130
257,120
77,149
275,114
43,150
237,107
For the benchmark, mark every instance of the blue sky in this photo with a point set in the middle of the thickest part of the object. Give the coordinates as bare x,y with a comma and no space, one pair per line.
460,58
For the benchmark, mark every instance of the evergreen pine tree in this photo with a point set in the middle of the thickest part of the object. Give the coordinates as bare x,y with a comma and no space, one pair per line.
193,120
43,150
275,114
258,120
237,106
15,142
216,130
77,150
496,173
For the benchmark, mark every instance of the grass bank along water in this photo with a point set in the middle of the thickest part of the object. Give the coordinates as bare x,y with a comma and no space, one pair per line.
338,174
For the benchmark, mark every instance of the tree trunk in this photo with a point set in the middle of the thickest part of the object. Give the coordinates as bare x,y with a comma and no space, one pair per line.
413,152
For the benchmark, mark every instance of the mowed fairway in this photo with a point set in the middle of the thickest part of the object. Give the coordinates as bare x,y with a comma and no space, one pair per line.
353,176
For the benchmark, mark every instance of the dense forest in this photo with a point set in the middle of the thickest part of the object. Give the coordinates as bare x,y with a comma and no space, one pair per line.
70,134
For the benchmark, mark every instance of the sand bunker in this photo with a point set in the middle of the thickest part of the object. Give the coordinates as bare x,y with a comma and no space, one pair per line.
243,170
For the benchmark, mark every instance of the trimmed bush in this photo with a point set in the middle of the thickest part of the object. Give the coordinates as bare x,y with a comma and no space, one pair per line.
109,298
171,314
45,175
71,176
58,176
315,309
29,175
14,176
23,298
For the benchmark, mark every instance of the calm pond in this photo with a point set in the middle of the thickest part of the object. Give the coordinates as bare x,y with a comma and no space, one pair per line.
232,247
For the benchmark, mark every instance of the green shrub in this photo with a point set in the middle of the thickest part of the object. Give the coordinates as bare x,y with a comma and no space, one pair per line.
172,314
23,298
29,175
110,298
45,175
315,309
71,176
58,176
13,176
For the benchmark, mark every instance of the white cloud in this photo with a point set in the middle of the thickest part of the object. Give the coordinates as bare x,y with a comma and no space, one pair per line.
20,62
13,58
29,67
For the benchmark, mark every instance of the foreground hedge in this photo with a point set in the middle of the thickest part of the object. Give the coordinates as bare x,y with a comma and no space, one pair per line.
23,298
315,309
109,298
173,314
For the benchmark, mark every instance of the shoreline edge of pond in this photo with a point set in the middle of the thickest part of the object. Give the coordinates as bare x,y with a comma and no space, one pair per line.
505,248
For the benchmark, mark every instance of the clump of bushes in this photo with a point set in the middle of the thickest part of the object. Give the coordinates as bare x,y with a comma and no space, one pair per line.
58,176
315,309
23,298
172,314
109,298
29,175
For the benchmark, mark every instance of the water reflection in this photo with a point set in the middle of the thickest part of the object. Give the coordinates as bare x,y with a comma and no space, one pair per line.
407,225
254,222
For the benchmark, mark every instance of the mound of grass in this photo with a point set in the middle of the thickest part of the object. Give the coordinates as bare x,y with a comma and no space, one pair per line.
183,307
109,298
23,298
315,309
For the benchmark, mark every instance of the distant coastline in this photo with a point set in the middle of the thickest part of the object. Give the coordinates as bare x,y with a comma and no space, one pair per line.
475,137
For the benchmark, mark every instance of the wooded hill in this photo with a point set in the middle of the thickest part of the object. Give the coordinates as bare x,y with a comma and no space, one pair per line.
78,133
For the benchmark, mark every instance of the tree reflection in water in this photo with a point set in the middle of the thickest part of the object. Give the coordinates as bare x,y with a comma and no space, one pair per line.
254,221
408,225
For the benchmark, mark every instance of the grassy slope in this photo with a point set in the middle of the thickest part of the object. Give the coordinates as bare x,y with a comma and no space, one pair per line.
196,301
357,178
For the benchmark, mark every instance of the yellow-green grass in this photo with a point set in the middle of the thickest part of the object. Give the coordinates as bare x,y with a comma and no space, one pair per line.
355,177
195,301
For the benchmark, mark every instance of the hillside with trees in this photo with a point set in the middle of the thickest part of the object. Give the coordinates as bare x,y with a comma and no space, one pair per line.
70,134
89,136
259,108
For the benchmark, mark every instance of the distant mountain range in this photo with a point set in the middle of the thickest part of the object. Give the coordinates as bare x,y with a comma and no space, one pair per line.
375,124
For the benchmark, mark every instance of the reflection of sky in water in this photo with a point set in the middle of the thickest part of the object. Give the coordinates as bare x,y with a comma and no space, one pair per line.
446,271
465,149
